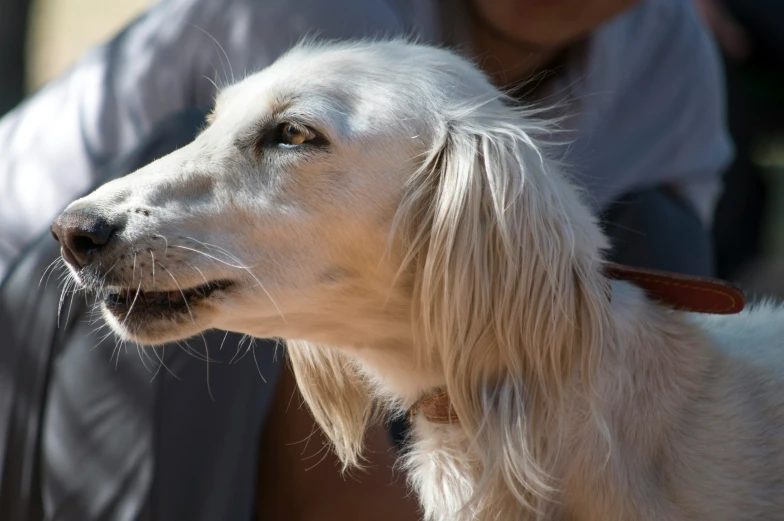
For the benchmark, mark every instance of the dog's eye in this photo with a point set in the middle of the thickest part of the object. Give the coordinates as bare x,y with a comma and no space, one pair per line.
292,134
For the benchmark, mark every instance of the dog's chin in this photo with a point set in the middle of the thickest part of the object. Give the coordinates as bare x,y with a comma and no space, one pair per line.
158,317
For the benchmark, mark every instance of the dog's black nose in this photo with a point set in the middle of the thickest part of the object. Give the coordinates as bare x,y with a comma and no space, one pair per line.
81,234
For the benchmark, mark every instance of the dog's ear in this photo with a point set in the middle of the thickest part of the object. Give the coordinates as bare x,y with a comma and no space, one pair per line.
510,297
335,390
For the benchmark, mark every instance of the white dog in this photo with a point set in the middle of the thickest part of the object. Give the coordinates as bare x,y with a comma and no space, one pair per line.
383,208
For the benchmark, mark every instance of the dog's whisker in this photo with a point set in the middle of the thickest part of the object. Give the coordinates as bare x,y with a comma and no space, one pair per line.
291,399
233,258
190,351
64,277
212,82
183,348
70,304
220,249
166,244
239,348
97,328
278,344
101,340
153,273
105,275
184,298
60,266
160,358
245,350
220,47
207,356
63,294
210,257
51,267
116,352
206,282
255,360
142,355
244,268
136,296
269,296
94,314
99,292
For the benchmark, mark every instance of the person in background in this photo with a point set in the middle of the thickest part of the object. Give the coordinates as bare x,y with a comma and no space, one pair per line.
639,84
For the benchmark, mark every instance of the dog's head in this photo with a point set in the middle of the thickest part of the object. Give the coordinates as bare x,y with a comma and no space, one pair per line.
380,195
275,220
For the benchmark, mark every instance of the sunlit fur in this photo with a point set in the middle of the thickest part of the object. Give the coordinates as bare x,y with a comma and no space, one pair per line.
460,255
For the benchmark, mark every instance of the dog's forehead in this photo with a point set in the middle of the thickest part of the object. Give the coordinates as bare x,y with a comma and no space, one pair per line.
325,95
315,97
344,75
353,91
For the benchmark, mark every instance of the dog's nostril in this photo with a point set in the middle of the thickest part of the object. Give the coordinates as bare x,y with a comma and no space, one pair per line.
81,234
85,243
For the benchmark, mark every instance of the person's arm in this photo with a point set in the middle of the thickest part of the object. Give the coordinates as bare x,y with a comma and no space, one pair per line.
698,148
56,142
667,125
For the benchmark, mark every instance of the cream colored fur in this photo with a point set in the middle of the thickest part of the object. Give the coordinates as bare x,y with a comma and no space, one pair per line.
433,242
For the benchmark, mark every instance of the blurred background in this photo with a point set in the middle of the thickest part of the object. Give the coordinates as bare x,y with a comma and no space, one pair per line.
59,31
40,39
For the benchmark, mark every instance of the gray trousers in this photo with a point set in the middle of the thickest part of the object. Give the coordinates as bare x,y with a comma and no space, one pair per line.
88,432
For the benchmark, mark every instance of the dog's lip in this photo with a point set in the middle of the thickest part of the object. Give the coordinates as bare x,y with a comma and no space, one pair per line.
121,300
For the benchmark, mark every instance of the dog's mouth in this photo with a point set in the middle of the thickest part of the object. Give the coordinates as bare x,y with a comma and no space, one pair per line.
122,302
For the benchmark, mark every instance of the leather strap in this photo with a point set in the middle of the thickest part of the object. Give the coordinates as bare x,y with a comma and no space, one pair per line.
681,292
436,407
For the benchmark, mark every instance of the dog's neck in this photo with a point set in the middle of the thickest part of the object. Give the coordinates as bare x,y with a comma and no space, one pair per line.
653,365
397,376
654,352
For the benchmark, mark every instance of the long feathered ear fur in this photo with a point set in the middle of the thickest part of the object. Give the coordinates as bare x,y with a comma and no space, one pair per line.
338,396
509,299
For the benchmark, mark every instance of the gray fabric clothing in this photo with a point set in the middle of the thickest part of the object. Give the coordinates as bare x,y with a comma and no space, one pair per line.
647,96
93,434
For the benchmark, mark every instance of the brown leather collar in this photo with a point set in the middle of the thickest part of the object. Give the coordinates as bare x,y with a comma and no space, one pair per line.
682,292
674,290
